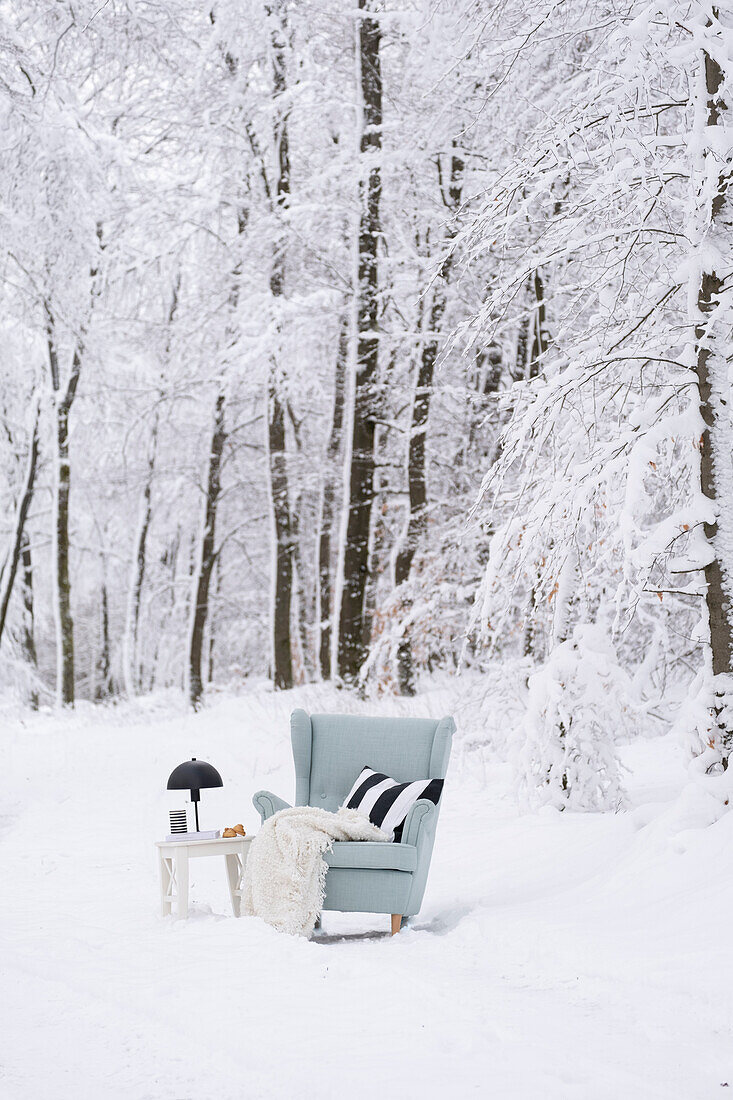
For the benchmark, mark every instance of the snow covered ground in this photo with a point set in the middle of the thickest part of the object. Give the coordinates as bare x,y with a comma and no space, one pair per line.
556,956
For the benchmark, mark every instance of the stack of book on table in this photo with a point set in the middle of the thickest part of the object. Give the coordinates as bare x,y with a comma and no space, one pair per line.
211,834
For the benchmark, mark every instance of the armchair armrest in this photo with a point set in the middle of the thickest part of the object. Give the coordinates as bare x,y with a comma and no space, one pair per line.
268,804
420,815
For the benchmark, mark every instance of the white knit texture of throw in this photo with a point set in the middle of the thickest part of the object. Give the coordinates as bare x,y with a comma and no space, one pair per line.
285,876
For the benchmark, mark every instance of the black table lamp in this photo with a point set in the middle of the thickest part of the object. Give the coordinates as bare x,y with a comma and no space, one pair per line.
192,776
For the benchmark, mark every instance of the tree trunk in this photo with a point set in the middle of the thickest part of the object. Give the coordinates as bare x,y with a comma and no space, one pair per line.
378,541
130,647
712,336
21,514
207,558
282,670
212,631
103,686
283,586
27,635
417,485
540,336
416,456
354,623
304,611
533,339
328,506
534,344
64,621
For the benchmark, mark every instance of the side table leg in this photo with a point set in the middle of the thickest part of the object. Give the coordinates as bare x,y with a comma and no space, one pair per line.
165,868
182,882
235,868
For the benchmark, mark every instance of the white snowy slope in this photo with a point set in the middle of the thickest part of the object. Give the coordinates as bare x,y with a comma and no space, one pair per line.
557,956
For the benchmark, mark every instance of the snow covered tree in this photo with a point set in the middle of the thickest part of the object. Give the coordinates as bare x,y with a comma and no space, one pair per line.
711,308
320,311
596,505
579,704
354,621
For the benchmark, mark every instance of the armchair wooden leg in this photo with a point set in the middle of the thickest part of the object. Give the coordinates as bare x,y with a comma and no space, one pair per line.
396,923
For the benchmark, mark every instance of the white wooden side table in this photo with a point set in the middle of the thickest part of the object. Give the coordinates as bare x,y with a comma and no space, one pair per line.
173,857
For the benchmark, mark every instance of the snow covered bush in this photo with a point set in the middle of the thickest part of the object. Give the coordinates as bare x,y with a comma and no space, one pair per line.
578,705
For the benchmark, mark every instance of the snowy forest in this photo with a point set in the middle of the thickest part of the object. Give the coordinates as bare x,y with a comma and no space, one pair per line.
372,344
365,373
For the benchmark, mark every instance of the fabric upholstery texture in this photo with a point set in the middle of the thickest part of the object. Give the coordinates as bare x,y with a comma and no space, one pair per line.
359,890
329,751
395,857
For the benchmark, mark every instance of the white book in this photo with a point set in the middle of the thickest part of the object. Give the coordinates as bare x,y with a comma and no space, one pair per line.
212,834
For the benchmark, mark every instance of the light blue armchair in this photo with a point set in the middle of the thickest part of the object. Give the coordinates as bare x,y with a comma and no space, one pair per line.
329,752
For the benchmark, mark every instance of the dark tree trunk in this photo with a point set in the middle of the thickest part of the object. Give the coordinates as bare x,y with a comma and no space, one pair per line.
64,622
378,543
540,336
282,671
103,686
520,369
329,512
211,658
417,484
131,671
207,558
27,634
212,634
416,456
489,366
21,515
533,339
712,350
354,623
283,593
212,622
417,490
63,401
721,638
302,602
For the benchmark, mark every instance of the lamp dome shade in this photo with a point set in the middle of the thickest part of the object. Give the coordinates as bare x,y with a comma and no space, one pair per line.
193,775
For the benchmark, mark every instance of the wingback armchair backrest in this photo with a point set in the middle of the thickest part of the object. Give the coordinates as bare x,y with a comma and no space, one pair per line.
330,750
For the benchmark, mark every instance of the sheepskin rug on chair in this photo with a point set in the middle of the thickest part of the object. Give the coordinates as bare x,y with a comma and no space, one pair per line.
285,876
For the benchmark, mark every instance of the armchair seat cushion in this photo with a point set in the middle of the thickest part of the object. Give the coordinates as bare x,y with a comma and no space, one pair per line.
372,854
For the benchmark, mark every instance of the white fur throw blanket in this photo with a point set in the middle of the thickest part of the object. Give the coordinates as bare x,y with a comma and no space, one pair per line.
285,875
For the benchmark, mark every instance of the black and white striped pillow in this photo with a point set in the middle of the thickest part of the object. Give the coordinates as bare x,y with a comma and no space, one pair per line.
386,802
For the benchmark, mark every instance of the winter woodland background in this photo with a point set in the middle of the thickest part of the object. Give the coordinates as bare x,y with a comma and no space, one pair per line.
374,343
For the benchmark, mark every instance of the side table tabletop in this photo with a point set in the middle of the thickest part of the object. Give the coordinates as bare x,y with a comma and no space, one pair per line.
173,857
